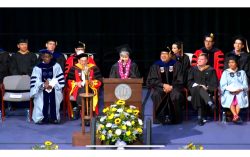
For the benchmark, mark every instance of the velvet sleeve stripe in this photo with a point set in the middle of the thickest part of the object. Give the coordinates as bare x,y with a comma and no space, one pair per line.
60,79
33,77
59,75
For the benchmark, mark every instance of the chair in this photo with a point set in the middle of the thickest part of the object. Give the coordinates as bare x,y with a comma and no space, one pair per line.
16,88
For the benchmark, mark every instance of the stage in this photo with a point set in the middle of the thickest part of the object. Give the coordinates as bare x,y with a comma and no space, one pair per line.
16,133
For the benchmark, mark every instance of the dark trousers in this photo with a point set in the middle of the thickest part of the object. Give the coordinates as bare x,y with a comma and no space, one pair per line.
49,105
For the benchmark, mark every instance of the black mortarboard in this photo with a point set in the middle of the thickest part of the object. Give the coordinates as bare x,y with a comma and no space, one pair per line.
22,40
211,35
79,44
125,48
43,51
82,55
165,49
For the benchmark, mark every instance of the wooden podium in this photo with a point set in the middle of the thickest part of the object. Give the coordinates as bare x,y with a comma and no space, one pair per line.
129,90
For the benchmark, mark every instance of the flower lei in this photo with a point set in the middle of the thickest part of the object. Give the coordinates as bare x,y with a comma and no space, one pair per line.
127,67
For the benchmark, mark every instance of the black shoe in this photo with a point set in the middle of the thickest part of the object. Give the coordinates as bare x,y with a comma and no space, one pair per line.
54,121
87,123
43,121
201,122
238,121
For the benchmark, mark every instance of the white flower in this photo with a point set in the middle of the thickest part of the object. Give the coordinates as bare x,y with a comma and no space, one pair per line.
118,132
140,121
120,110
104,132
108,125
126,114
117,115
135,132
103,118
114,126
112,106
128,123
132,107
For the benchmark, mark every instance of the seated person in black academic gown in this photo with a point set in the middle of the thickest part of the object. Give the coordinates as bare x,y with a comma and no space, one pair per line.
240,52
182,58
166,79
4,62
22,62
125,67
202,82
57,56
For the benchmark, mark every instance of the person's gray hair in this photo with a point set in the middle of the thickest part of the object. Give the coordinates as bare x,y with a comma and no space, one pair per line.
124,53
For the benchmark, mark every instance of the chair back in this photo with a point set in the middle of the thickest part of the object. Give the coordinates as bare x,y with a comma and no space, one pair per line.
17,82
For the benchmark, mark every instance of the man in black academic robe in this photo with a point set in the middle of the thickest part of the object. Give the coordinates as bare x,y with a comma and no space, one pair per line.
202,82
166,79
22,62
240,52
4,63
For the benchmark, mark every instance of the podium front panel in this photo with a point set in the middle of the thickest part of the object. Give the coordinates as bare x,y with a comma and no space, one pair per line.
111,84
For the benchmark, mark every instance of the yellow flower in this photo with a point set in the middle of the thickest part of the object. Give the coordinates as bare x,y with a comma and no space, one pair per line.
133,122
136,112
48,143
117,121
201,148
129,110
105,110
111,116
56,147
120,102
113,109
102,137
128,133
110,131
124,127
101,126
139,130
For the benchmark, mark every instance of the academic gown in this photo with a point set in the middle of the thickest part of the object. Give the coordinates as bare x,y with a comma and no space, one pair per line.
44,101
243,60
185,65
215,59
22,64
236,80
4,63
166,104
76,75
58,58
133,71
207,77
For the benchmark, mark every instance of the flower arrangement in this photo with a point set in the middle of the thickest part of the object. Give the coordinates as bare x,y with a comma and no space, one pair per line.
48,145
191,146
120,123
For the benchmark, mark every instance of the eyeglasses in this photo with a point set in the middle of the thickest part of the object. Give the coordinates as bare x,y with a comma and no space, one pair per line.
208,41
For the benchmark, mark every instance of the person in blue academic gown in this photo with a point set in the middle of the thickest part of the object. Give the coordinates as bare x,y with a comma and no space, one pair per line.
47,81
234,89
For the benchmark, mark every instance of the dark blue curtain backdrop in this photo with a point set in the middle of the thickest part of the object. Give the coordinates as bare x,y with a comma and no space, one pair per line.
146,30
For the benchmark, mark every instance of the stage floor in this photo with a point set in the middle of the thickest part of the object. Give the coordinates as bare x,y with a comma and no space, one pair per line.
16,133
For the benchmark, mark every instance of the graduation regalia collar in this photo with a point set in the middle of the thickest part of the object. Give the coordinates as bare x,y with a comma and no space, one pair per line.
164,64
213,50
43,65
